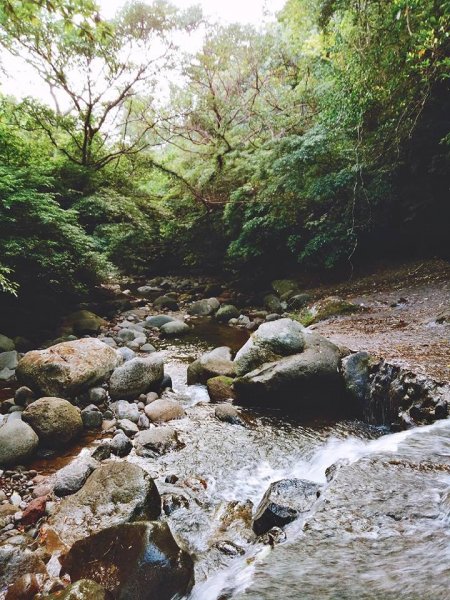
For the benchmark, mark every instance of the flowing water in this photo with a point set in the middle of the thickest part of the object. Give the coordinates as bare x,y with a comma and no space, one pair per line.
379,530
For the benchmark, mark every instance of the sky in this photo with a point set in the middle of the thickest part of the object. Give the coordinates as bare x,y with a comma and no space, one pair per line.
21,81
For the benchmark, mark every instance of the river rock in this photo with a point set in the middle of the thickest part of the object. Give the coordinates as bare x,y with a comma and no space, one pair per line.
283,502
67,368
306,381
15,560
228,413
174,329
273,304
18,442
157,321
25,588
9,360
355,370
115,493
84,589
153,566
163,410
227,312
204,308
92,417
331,306
72,477
128,335
128,427
82,322
220,388
120,445
6,343
166,302
298,301
55,420
137,376
147,348
270,342
214,363
155,441
123,409
24,396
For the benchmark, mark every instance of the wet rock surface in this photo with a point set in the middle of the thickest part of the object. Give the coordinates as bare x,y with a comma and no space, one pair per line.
115,493
283,502
139,561
55,420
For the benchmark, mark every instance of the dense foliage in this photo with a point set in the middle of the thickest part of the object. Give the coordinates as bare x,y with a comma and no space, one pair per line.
316,142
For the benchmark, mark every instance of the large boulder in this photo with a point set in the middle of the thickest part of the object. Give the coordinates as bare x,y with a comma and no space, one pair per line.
270,342
204,308
166,302
273,304
136,376
283,502
56,421
213,363
115,493
307,381
138,561
18,442
68,368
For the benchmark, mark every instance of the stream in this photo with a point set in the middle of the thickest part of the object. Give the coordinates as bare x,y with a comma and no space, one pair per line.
380,529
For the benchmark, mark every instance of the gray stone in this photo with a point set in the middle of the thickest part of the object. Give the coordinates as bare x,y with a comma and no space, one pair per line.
283,502
121,445
153,565
298,301
273,304
166,302
163,410
144,422
9,360
155,441
213,363
273,317
227,312
156,322
125,410
204,308
115,493
137,376
128,427
15,560
72,477
102,451
6,344
127,335
97,395
92,417
18,442
126,353
305,381
271,341
147,348
55,420
174,329
67,368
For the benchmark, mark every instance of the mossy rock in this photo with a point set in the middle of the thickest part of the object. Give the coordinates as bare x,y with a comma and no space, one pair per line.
220,388
333,306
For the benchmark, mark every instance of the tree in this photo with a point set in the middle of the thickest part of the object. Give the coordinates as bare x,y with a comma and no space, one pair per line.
94,69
